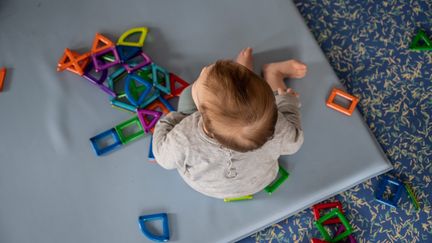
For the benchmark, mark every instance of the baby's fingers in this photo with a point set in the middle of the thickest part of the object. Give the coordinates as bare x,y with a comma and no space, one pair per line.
291,91
288,91
281,91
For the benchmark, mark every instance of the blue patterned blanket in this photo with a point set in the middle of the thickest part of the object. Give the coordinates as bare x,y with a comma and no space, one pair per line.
367,43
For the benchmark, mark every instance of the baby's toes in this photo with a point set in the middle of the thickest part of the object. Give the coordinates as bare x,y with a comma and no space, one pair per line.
241,56
300,73
299,65
245,57
300,69
247,51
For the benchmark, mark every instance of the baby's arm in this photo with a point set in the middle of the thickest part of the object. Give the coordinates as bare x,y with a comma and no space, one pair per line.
167,151
290,131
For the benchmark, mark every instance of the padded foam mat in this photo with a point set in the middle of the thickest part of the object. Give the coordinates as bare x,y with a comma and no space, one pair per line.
53,188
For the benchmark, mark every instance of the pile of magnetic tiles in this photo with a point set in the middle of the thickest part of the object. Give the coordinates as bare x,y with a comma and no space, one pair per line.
134,83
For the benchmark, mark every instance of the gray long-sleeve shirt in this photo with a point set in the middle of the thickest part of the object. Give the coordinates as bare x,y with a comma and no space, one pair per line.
179,142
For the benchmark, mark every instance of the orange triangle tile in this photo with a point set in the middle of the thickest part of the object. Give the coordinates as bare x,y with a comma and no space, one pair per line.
73,61
101,43
66,60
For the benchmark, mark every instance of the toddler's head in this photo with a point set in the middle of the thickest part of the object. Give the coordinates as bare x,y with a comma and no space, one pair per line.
237,106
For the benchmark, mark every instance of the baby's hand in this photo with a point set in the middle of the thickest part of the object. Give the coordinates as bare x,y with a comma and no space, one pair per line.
288,91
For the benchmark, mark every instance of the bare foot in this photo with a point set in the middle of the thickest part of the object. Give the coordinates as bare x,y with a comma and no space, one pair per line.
245,58
286,69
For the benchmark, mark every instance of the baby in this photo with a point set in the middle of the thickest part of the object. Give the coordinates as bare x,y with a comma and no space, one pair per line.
231,127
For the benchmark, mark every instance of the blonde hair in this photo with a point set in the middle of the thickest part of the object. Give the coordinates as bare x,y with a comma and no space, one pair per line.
240,110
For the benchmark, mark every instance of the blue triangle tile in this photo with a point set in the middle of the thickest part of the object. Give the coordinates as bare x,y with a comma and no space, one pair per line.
129,79
127,52
160,216
164,88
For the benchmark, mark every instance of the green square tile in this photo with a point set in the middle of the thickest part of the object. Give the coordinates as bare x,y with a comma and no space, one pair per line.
283,175
127,138
334,213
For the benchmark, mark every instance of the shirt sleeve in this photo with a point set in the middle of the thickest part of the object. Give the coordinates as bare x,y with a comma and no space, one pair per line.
167,151
291,131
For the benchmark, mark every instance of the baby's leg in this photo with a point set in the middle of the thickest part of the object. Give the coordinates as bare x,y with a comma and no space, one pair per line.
275,73
245,58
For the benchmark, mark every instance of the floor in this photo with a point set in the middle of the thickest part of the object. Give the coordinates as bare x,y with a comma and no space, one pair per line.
367,43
